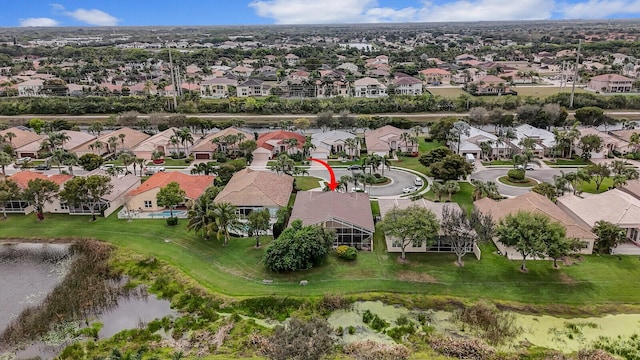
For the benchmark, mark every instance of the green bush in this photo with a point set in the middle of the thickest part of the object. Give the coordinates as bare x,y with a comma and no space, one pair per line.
172,221
516,175
347,252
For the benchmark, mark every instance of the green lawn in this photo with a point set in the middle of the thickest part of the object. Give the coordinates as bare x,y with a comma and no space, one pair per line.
305,183
343,163
450,93
170,162
412,163
237,270
578,162
542,91
498,162
591,186
424,146
464,197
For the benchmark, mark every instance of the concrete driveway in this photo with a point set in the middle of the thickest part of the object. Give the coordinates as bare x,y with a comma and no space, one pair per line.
399,180
543,175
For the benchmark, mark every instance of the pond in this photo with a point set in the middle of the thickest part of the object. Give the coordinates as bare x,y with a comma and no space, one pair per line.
561,334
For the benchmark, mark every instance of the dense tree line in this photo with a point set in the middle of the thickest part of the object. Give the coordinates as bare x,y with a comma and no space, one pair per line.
274,105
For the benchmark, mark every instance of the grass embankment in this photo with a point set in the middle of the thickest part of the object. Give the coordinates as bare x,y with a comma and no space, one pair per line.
523,91
305,183
590,187
498,163
237,270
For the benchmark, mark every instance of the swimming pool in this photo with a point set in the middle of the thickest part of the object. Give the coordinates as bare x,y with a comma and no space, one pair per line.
166,213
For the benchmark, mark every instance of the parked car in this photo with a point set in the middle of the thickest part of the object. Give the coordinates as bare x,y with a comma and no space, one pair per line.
418,182
354,167
43,167
150,170
23,160
106,167
409,189
358,189
527,167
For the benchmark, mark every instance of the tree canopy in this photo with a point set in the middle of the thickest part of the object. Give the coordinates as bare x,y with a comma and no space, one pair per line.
170,196
412,225
298,248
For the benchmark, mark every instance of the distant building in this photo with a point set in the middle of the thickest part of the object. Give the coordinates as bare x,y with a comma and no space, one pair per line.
610,83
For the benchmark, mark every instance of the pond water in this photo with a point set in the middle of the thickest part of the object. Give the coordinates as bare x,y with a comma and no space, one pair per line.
562,334
29,273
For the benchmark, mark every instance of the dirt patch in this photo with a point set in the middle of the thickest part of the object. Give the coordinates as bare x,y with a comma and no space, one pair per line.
415,276
566,279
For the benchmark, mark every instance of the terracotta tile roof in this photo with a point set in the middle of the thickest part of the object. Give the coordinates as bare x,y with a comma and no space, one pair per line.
377,140
257,188
435,71
205,145
533,202
612,77
132,139
22,137
22,178
279,135
314,207
193,185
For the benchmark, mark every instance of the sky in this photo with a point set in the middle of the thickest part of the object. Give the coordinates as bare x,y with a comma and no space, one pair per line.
254,12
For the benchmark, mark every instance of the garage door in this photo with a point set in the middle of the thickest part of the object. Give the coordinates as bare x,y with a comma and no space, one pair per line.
202,156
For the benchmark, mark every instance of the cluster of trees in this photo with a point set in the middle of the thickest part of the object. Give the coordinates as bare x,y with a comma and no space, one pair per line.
213,218
443,164
298,248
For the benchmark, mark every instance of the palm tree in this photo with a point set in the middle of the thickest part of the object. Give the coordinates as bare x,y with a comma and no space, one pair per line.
385,161
5,159
351,144
225,219
572,136
344,182
562,182
57,158
634,141
140,163
9,136
199,216
438,189
127,159
98,145
112,142
70,160
451,187
485,147
291,143
307,147
121,137
405,137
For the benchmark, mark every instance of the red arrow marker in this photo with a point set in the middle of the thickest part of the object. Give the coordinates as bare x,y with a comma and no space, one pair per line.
332,184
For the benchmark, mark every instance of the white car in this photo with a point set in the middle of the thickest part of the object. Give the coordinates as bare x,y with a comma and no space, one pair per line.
418,182
409,189
358,189
106,167
150,170
527,167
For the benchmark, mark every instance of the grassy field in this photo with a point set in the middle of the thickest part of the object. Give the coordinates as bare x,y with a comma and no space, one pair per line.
576,162
591,186
305,183
498,162
446,92
412,163
543,91
170,162
237,270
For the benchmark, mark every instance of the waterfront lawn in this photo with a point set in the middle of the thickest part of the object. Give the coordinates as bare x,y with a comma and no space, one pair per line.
305,183
237,269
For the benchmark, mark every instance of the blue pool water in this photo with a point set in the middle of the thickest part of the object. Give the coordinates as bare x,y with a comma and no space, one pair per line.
167,213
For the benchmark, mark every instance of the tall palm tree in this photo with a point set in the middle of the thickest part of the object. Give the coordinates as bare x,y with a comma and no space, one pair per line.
5,159
140,164
438,189
121,137
113,144
385,162
634,141
344,182
291,143
9,136
225,219
451,187
70,160
127,159
199,216
351,144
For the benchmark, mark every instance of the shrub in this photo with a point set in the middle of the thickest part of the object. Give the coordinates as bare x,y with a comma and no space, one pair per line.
300,340
371,350
461,348
374,321
347,252
398,332
496,326
330,303
172,221
515,175
594,355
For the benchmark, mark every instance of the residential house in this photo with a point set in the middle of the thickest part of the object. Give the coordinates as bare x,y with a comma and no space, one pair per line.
386,140
275,142
143,198
539,204
121,185
489,85
435,76
22,178
465,58
439,245
610,83
217,87
625,137
296,88
331,89
242,71
132,138
252,87
472,144
26,143
31,87
544,140
615,206
632,187
251,190
161,142
407,85
333,142
347,215
377,61
207,147
609,143
292,59
76,139
369,88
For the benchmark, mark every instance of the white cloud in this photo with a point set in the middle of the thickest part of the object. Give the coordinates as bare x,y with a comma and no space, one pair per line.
598,9
359,11
92,17
38,22
57,7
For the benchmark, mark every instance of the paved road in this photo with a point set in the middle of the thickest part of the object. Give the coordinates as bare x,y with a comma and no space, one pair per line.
545,175
400,179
